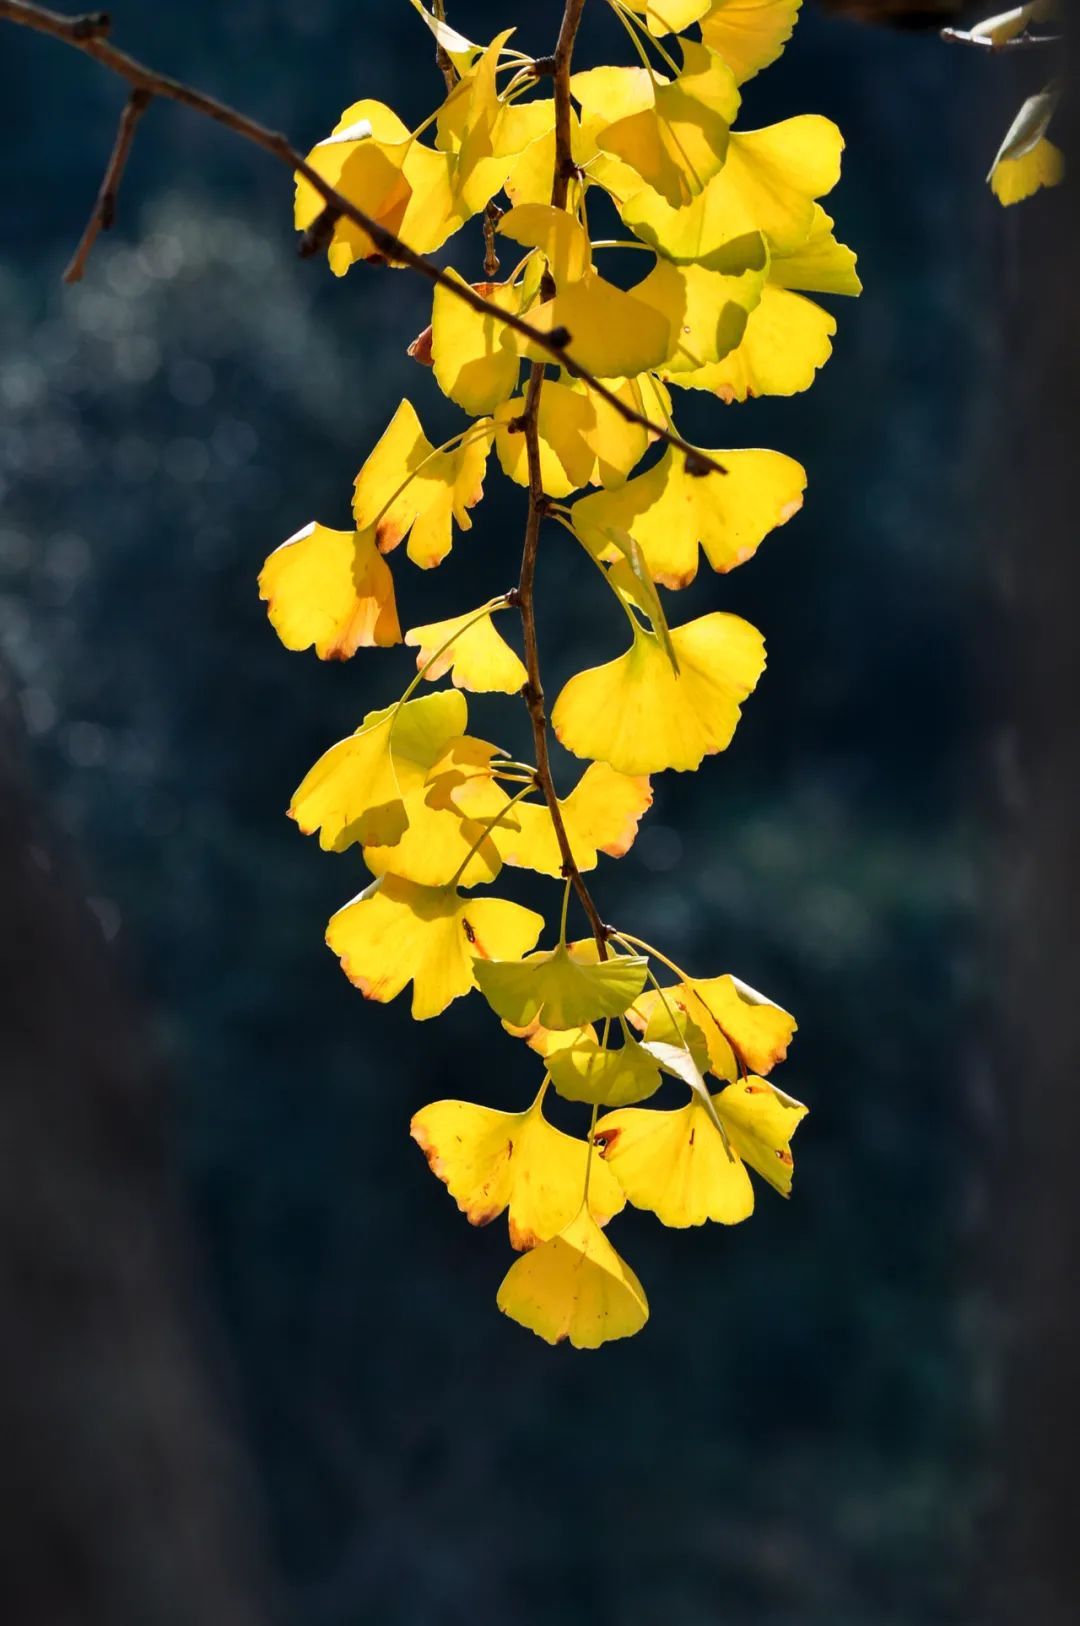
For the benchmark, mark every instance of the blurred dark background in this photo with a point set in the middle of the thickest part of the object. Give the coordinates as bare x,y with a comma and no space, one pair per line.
804,1432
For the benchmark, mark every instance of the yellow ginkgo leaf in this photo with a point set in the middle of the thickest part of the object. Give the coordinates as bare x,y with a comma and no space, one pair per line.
640,716
463,778
612,333
559,236
618,444
575,1286
473,125
356,790
768,184
556,988
601,814
396,932
742,1030
678,1165
706,310
586,1071
787,338
1013,179
407,488
749,34
493,1161
472,365
760,1121
669,512
441,845
332,589
821,265
363,159
669,16
461,51
678,141
564,424
476,656
529,178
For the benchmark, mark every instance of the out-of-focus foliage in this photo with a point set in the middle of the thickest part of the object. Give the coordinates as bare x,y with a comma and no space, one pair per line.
153,420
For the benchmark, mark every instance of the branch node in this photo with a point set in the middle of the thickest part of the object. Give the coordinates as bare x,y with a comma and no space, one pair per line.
94,26
560,337
697,465
543,67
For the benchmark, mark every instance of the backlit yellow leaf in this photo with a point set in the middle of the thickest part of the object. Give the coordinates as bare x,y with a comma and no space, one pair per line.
396,932
407,489
472,365
556,988
612,333
475,126
575,1286
821,265
669,16
706,310
749,34
760,1121
477,657
1013,179
585,1071
669,512
676,1164
493,1161
564,423
601,814
355,792
618,444
679,142
787,338
332,589
742,1030
636,714
559,236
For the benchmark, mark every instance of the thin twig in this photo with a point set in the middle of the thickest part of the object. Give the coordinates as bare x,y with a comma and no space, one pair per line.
533,691
442,59
1021,42
104,212
87,34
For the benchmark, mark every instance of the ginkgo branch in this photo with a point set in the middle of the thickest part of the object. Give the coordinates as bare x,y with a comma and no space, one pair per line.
105,204
88,35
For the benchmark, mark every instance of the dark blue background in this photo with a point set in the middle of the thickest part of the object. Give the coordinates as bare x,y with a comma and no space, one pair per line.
799,1436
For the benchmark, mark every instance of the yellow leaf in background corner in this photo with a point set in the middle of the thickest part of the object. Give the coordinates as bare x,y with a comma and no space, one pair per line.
397,932
749,34
563,422
492,1161
787,339
600,815
558,989
821,265
1014,179
404,490
679,142
471,364
706,311
676,1165
575,1286
478,658
356,790
668,511
772,177
636,714
559,236
332,589
741,1029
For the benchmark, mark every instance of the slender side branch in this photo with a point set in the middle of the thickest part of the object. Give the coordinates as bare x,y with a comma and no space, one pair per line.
87,34
104,212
